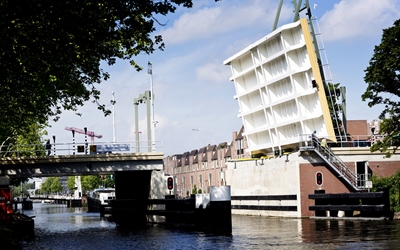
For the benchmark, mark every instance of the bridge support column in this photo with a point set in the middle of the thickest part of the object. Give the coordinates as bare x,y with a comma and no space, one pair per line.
132,184
131,190
220,212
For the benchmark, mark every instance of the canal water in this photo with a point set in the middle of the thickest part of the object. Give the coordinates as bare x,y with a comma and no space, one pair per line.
59,227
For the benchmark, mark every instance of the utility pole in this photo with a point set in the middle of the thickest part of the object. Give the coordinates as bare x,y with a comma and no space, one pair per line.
113,105
153,130
146,99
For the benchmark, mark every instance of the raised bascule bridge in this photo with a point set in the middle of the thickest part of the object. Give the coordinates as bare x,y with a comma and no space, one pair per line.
285,92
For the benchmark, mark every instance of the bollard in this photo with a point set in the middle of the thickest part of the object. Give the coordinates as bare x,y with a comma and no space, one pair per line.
319,202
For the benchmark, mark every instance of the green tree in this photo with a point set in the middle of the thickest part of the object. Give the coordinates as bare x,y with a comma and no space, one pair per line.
51,185
51,52
18,191
26,142
383,79
393,184
71,183
92,182
23,142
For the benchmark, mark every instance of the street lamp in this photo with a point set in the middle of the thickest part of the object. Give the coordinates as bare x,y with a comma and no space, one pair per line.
113,105
153,130
146,99
54,141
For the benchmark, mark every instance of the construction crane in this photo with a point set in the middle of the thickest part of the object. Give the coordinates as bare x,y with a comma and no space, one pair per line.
91,134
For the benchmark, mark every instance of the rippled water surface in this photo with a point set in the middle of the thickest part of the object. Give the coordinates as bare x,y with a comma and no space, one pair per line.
59,227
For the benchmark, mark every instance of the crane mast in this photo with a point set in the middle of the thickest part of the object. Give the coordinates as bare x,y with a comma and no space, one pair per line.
91,134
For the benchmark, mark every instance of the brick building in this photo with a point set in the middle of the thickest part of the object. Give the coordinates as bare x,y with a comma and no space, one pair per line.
288,175
204,167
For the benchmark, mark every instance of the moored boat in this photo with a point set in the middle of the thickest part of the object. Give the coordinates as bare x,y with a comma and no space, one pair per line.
100,197
27,204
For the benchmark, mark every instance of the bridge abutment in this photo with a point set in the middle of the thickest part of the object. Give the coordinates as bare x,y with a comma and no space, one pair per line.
134,189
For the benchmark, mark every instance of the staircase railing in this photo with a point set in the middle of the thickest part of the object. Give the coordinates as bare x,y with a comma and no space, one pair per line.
336,164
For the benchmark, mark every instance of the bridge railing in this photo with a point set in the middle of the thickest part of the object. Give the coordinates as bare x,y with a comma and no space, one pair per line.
79,148
51,197
335,141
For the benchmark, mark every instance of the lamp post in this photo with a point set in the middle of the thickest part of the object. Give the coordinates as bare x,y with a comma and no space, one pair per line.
146,99
54,141
113,105
137,139
153,130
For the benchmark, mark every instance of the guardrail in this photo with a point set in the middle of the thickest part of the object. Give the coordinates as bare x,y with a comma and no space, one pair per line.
337,141
78,148
334,162
51,197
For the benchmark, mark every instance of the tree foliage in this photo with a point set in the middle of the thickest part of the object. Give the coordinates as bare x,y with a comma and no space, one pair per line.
92,182
50,52
25,142
383,79
51,185
18,191
71,183
393,184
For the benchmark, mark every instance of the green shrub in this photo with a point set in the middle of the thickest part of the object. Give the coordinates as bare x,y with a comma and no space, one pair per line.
194,190
393,184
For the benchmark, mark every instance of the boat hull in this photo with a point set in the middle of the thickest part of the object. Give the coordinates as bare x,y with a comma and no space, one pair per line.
94,205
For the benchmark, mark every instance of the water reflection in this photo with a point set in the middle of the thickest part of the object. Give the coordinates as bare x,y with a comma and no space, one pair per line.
58,227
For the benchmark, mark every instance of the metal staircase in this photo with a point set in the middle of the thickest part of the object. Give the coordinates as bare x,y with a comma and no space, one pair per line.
344,173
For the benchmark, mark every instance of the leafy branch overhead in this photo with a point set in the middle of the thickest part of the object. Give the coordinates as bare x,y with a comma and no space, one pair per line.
50,51
383,79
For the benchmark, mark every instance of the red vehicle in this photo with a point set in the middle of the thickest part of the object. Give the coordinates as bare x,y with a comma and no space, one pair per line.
6,202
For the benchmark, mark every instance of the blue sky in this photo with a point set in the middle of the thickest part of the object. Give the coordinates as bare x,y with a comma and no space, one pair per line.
194,103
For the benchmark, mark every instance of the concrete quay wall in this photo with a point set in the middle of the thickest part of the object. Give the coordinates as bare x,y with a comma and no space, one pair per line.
267,177
294,174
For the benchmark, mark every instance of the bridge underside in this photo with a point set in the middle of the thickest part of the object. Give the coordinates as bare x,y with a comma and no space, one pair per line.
14,167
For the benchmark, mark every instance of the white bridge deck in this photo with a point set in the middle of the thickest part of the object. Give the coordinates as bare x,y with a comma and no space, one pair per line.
67,165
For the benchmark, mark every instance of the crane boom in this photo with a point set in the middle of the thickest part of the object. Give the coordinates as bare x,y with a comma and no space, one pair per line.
91,134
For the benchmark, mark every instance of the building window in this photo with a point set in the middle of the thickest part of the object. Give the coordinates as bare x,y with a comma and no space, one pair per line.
201,181
239,148
210,179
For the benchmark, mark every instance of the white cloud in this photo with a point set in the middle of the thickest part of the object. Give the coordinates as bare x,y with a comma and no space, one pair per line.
225,17
213,72
355,19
